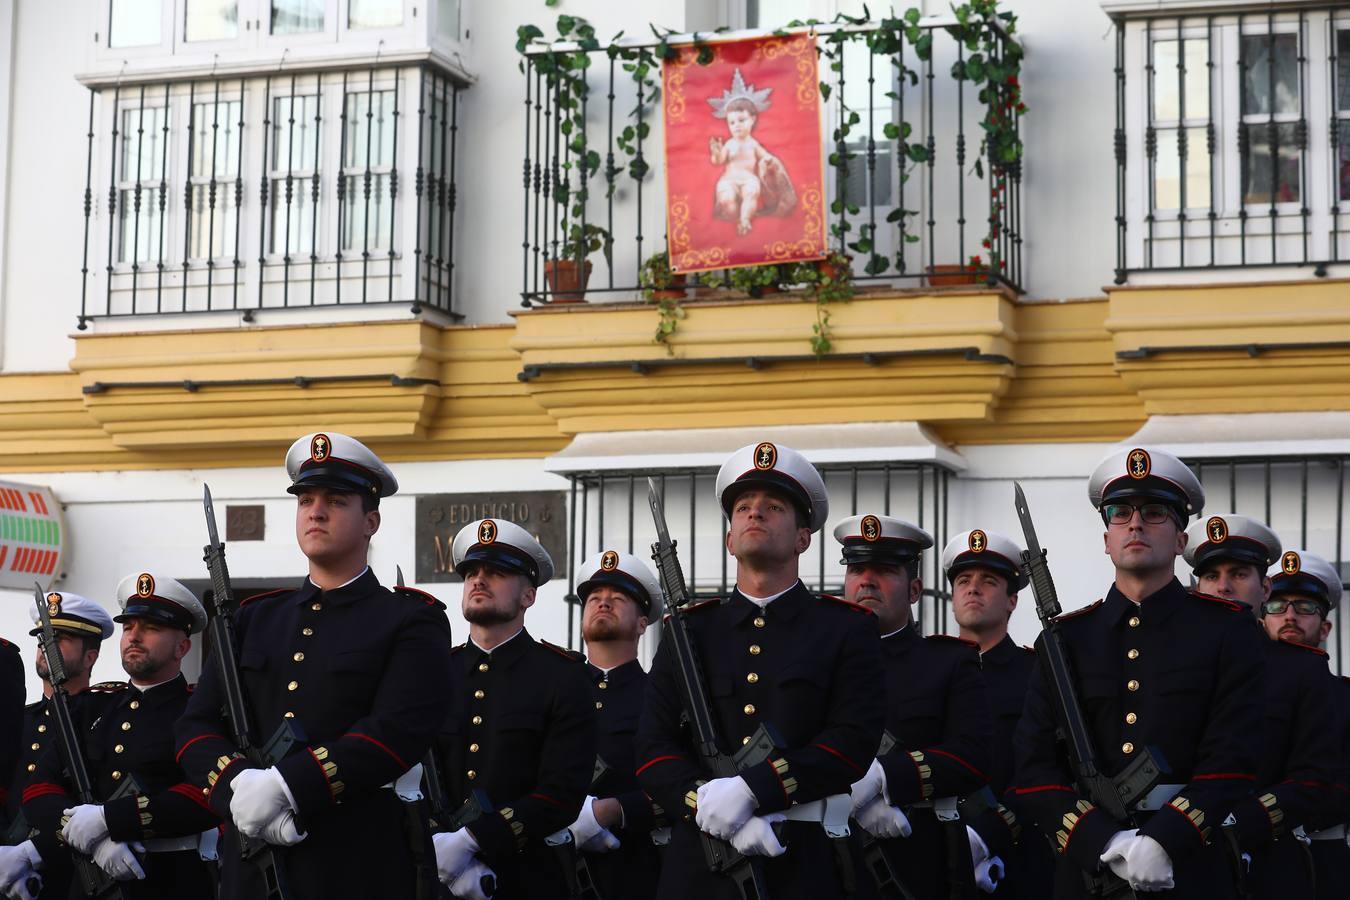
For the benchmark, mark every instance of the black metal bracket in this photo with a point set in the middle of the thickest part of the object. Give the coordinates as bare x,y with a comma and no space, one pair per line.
300,381
1252,350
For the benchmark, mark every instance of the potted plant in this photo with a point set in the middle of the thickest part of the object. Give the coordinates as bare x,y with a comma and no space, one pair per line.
827,280
953,275
658,281
758,280
568,274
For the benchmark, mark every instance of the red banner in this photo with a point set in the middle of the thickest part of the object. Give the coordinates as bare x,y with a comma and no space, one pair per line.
744,165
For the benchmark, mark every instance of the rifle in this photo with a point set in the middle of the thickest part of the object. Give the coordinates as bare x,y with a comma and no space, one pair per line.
1114,795
745,871
888,881
221,637
473,809
94,882
586,888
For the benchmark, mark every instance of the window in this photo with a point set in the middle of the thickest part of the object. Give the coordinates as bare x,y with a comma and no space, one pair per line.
142,158
133,23
214,155
447,19
294,174
1270,112
367,158
1180,111
1342,95
297,16
374,13
211,20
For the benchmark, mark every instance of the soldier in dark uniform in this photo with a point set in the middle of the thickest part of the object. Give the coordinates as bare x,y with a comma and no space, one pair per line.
935,710
986,573
771,653
1305,588
1230,555
361,670
523,732
149,837
620,594
81,625
1155,667
12,695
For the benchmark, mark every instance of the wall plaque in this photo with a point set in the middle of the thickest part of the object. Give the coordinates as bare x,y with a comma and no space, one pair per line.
441,516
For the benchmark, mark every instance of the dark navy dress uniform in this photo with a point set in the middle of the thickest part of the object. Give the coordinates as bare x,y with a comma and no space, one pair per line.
1330,853
524,732
11,723
937,712
133,738
365,673
1179,673
806,665
633,869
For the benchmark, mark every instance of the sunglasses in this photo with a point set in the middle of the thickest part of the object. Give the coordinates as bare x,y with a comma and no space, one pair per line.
1150,513
1302,607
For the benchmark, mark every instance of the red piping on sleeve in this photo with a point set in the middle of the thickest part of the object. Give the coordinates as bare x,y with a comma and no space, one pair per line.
1221,776
1041,788
201,737
192,793
953,756
647,765
392,755
850,763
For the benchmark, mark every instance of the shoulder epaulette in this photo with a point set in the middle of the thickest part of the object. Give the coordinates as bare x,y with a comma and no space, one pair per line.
263,596
457,648
953,638
856,607
6,645
192,687
35,704
109,687
413,593
1302,646
694,607
1230,605
569,655
1073,614
1028,649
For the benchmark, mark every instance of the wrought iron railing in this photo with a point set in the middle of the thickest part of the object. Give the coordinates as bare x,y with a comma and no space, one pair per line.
273,191
901,203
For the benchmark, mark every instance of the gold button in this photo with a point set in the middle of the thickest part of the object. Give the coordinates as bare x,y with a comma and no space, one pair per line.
307,632
32,767
754,649
289,714
753,678
473,748
1131,718
316,606
1132,684
1127,747
749,709
299,657
42,729
745,740
479,695
482,667
126,726
471,774
478,720
292,686
599,705
604,685
37,746
116,776
119,748
135,704
759,621
1133,654
1134,621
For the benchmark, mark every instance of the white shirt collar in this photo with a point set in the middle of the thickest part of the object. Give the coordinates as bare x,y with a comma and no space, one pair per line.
143,688
499,646
345,583
763,602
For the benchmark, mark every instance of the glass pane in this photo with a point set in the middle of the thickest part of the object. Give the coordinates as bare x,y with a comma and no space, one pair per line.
138,232
775,13
370,124
1167,80
215,137
297,16
1167,170
292,228
213,218
295,134
855,186
1343,167
1267,175
447,19
143,143
374,13
355,209
1343,69
134,23
1266,71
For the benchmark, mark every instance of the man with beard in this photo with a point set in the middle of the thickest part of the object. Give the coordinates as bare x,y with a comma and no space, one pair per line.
771,654
81,625
1155,667
359,671
985,570
523,733
1304,590
149,837
935,709
1230,555
620,594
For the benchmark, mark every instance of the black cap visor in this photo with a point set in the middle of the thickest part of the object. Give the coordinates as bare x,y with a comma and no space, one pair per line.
994,562
887,551
1235,549
620,581
1301,583
338,475
1148,490
156,610
767,480
501,556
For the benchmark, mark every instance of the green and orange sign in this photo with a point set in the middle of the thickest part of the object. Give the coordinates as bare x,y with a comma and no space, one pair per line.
31,535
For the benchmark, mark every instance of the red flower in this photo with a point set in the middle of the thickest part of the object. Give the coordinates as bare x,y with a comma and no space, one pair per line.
1012,80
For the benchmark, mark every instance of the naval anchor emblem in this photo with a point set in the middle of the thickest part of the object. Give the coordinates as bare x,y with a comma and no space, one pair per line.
1138,464
610,561
487,531
319,447
145,585
871,528
1217,529
1290,564
53,603
978,541
766,456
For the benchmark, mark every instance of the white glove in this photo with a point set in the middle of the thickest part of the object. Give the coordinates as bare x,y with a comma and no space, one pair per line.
588,834
85,826
454,853
118,860
1139,860
724,805
19,878
988,874
281,831
869,787
882,820
756,837
260,795
468,885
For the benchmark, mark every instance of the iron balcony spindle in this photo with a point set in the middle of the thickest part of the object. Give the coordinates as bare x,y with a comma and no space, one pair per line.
264,188
1273,134
238,196
443,203
341,189
393,182
187,190
88,212
365,216
136,199
609,166
871,157
419,180
1301,135
961,162
1211,144
290,197
1150,145
1122,223
1244,140
931,142
448,306
1181,142
840,146
1334,135
211,199
314,182
112,188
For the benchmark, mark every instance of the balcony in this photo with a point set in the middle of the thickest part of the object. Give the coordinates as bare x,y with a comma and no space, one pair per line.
307,187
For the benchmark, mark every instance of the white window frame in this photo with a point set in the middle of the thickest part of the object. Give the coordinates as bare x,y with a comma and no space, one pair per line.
225,260
302,179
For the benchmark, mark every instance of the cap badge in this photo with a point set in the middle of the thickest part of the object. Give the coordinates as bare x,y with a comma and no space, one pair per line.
871,528
53,604
1290,564
1217,529
609,561
1138,464
487,531
145,585
766,456
320,447
978,541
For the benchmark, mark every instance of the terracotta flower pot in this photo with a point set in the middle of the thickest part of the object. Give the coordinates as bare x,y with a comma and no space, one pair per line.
566,281
951,275
829,269
675,292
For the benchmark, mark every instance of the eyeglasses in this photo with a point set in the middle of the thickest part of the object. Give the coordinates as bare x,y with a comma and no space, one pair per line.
1302,607
1150,513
